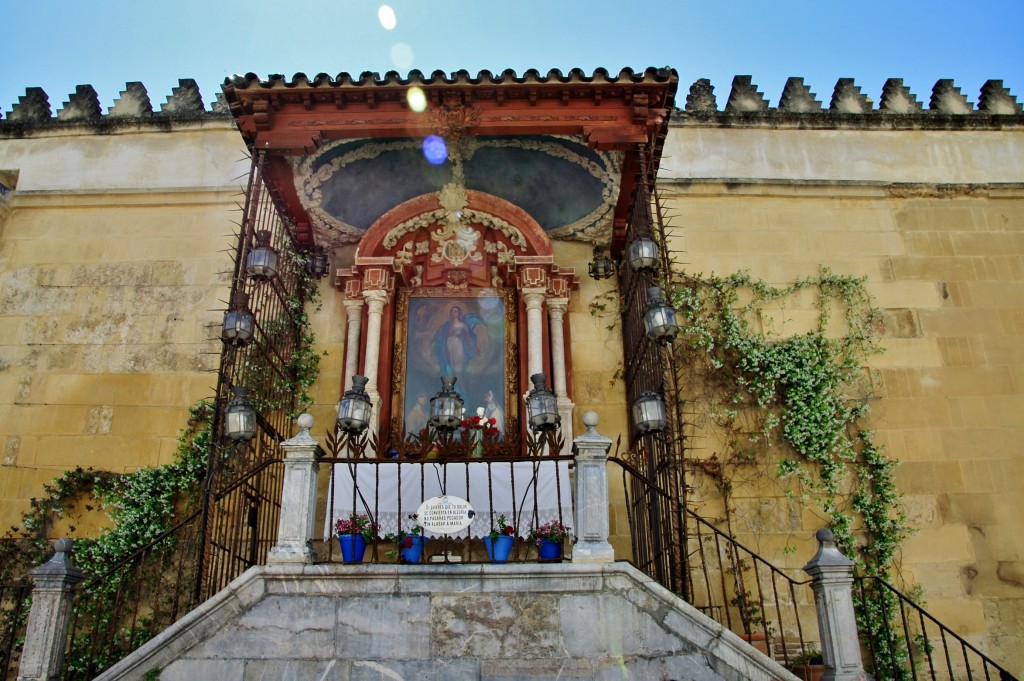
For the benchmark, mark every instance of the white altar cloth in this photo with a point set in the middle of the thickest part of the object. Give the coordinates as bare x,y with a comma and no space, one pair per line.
528,492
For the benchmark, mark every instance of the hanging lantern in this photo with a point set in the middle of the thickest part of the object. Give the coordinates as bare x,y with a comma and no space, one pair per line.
238,323
660,318
446,407
355,407
239,417
316,265
261,262
643,254
541,406
649,413
601,266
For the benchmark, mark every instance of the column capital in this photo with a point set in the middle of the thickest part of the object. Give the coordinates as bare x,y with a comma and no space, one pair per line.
353,304
557,305
534,298
376,298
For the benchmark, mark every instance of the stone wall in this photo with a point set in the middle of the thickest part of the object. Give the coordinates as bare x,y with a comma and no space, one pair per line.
935,221
446,622
114,268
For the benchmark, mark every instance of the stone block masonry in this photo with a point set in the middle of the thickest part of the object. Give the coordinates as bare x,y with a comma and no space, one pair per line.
489,622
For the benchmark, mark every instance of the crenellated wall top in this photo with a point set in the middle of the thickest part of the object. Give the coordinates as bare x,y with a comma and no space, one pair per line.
946,107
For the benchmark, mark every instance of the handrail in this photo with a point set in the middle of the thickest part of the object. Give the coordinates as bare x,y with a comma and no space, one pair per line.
916,646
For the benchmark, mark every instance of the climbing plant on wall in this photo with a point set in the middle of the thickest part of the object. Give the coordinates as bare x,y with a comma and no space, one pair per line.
793,402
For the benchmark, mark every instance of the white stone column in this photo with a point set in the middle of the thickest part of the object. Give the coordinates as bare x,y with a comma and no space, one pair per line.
832,575
591,451
556,323
533,298
375,301
46,631
298,499
353,328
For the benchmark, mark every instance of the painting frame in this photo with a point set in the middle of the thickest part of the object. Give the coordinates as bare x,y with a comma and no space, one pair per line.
428,325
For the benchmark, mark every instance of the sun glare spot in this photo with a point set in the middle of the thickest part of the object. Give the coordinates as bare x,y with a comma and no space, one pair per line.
435,150
401,56
417,99
386,16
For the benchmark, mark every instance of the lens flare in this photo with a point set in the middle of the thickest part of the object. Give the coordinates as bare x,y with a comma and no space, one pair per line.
417,99
401,56
386,17
435,150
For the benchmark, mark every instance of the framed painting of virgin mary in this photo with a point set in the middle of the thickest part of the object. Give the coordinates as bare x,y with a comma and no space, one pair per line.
469,334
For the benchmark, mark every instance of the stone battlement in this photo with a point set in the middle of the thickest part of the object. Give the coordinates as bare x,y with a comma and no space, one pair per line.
745,103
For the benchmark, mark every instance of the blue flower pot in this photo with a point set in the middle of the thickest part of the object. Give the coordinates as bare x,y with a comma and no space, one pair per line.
352,547
412,554
498,549
550,550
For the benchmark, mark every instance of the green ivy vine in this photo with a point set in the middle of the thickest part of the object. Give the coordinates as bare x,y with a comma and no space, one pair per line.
798,400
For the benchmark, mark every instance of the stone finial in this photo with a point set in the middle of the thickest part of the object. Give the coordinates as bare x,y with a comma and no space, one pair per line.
134,102
83,105
745,97
303,439
34,107
847,98
997,100
701,98
798,98
185,99
946,98
897,98
590,420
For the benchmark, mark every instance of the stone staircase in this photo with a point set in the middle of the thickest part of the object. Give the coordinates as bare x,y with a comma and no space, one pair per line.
451,622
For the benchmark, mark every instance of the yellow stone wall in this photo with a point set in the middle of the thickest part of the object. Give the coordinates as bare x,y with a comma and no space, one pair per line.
114,271
945,262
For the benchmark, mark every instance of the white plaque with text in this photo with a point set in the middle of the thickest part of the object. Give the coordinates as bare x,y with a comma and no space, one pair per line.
445,514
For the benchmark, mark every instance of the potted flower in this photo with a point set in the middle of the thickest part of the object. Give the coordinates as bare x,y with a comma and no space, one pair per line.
810,666
408,546
500,540
548,538
478,429
354,532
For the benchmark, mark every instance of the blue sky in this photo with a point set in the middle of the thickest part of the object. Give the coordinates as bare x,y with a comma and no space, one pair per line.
61,43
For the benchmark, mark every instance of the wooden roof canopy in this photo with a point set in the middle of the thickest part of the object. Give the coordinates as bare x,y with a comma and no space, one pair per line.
292,118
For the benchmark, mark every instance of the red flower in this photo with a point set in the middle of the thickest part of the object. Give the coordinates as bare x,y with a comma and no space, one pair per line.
492,420
510,531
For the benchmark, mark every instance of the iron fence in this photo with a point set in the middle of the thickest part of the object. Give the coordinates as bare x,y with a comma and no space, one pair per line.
520,492
915,645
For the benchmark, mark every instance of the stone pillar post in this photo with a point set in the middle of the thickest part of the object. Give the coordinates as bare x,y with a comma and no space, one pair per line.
556,322
375,301
46,633
298,499
353,328
832,575
533,298
591,450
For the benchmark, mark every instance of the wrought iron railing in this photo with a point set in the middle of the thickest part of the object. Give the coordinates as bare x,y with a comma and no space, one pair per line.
918,646
525,492
15,600
140,596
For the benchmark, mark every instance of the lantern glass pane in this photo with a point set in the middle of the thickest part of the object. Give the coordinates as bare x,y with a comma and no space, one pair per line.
240,422
660,322
649,413
643,254
238,326
261,262
354,414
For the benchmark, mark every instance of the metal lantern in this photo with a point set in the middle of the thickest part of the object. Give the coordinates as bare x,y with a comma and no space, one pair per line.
355,407
541,406
261,262
446,407
643,254
601,266
660,318
239,417
316,266
649,413
238,323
